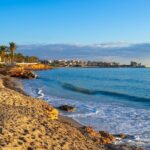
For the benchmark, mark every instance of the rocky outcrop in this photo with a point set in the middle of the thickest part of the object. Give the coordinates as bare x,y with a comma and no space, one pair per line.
106,137
20,72
100,137
35,66
67,108
24,71
24,74
122,147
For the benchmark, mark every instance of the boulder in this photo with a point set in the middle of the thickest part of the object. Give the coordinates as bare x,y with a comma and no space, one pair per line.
67,108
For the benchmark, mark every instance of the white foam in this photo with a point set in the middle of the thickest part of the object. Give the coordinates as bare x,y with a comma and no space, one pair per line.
113,118
110,117
40,94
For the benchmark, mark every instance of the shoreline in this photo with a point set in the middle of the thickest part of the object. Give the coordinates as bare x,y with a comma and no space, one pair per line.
14,84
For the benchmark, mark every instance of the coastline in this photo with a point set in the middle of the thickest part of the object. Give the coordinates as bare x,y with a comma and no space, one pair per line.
14,84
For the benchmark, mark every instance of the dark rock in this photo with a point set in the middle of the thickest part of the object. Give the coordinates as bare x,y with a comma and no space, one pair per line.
121,135
26,75
30,148
26,131
67,108
21,73
100,137
121,147
124,136
87,130
106,135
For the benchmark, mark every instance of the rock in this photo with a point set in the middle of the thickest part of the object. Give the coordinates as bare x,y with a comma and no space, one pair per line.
106,137
28,75
37,66
67,108
121,135
105,134
122,147
89,130
100,137
21,73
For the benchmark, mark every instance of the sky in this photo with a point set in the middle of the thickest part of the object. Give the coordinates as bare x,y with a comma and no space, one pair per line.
74,21
104,30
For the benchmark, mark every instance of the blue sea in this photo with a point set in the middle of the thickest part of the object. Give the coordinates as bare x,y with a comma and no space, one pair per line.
116,100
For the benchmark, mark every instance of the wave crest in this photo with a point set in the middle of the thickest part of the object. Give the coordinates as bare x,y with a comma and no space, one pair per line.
106,93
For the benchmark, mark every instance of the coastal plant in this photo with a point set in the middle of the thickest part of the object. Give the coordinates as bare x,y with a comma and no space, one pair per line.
12,47
8,55
3,52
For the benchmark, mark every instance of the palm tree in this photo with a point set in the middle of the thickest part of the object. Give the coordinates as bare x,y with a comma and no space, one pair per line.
12,47
3,52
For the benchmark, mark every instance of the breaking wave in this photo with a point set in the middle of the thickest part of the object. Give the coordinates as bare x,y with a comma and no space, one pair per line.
106,93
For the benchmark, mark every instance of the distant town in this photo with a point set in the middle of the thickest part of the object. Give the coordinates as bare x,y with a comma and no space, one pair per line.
9,57
81,63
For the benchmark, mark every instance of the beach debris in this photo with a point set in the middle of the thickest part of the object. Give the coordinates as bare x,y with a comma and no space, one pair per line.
67,108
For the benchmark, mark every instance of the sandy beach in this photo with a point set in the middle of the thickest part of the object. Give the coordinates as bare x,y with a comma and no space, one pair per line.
29,123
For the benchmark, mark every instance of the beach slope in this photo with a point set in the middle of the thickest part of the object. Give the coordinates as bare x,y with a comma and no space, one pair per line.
29,123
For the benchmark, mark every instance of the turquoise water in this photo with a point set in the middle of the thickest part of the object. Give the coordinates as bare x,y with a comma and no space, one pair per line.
115,100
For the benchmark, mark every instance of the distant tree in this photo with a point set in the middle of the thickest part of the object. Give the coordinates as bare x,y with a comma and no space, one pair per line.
12,47
3,52
133,64
31,59
8,55
19,58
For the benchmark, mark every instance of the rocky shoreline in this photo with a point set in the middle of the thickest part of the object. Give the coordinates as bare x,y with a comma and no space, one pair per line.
29,123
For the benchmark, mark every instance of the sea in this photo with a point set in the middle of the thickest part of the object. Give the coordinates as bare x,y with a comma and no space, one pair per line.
116,100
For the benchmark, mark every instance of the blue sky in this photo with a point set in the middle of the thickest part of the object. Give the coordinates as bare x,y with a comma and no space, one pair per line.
74,21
